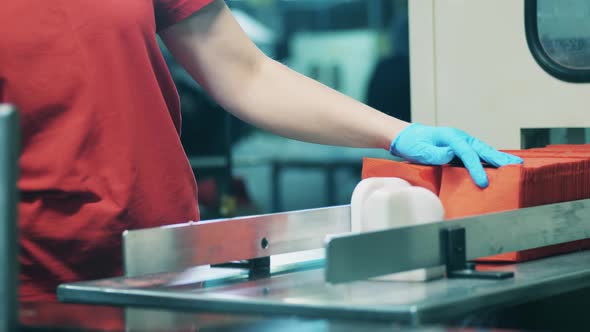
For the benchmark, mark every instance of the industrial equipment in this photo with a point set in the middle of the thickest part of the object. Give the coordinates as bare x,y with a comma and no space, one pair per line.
318,267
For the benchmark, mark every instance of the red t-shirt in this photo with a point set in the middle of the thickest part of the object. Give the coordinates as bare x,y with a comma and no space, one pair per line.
101,151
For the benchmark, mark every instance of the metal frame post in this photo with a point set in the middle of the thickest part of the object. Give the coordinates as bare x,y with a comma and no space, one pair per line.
9,147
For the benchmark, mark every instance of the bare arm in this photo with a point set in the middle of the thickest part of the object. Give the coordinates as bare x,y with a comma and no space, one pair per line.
219,55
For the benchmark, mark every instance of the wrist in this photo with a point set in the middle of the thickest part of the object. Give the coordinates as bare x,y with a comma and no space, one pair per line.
391,132
397,134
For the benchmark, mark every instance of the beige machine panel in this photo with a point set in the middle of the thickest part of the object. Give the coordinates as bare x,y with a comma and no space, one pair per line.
472,69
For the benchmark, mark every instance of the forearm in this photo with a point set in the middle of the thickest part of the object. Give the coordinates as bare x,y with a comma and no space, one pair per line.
219,55
289,104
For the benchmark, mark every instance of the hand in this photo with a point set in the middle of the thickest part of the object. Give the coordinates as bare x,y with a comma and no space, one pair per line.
439,145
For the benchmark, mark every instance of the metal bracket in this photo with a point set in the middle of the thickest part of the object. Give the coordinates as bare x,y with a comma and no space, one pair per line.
257,267
454,249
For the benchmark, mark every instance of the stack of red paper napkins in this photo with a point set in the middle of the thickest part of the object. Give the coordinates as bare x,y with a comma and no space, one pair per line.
554,174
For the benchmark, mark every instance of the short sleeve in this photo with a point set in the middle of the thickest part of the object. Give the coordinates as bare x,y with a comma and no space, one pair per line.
170,12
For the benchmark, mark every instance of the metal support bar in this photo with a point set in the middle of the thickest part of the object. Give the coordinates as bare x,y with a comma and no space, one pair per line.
9,147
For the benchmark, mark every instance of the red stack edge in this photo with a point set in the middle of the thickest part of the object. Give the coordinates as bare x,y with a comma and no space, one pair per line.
550,175
541,180
417,175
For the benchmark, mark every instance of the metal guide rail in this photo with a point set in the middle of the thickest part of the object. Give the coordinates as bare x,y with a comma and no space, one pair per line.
180,266
219,241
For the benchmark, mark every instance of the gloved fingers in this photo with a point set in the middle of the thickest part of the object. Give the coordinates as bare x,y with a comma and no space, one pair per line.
435,155
493,156
471,160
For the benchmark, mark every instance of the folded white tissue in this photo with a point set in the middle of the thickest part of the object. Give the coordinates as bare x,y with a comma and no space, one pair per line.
385,203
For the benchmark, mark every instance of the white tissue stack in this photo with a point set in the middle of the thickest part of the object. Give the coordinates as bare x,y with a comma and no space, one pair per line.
384,203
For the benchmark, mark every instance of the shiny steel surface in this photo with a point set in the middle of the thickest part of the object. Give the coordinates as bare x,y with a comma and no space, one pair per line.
413,247
306,293
9,147
54,317
177,247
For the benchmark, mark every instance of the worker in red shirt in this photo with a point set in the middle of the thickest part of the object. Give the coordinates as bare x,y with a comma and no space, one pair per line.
101,151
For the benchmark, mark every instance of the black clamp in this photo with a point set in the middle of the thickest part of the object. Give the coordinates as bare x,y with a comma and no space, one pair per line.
454,248
257,267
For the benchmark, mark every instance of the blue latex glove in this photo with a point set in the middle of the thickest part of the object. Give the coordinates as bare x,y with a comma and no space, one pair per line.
439,145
